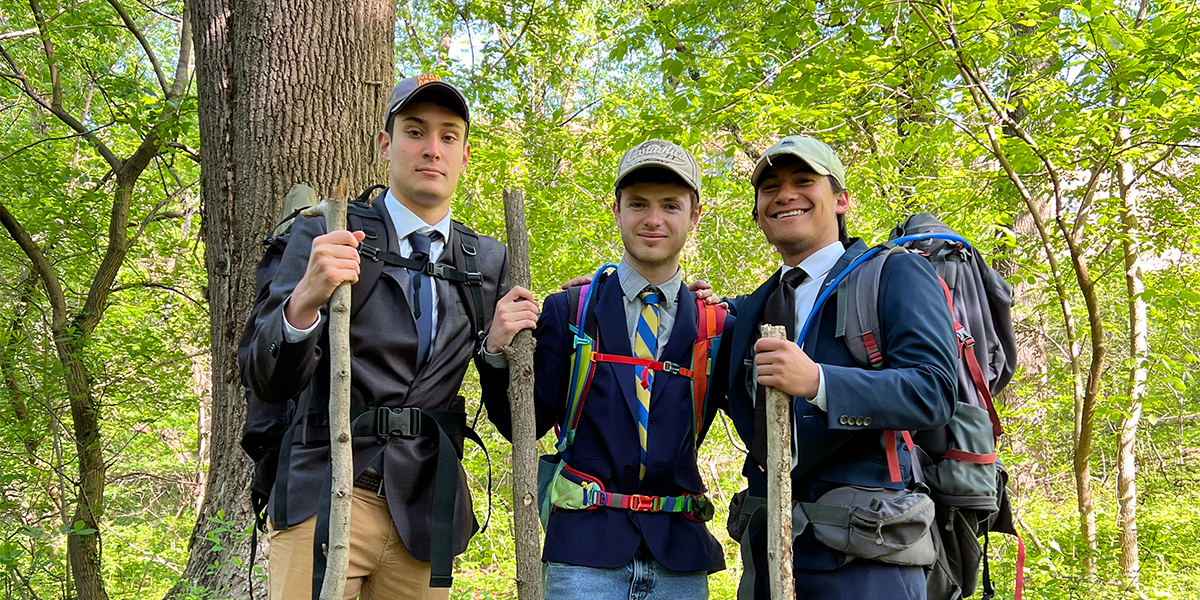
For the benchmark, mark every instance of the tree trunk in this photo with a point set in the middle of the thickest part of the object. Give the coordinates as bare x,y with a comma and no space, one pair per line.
276,107
1139,351
524,429
779,485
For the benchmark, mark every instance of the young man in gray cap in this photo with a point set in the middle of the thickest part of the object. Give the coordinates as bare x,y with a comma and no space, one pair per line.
629,510
411,337
842,411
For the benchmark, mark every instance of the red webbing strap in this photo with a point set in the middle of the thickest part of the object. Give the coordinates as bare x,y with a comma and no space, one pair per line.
908,440
1020,584
704,328
970,457
893,458
654,365
981,386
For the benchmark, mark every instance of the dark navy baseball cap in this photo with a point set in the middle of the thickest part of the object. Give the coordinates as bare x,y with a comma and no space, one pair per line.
426,88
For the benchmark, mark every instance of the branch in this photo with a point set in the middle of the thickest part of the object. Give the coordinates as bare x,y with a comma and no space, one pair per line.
141,38
48,47
161,286
49,139
184,64
16,34
194,155
57,110
54,292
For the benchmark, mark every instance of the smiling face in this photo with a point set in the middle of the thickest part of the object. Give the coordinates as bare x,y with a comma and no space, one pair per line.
797,209
426,151
655,219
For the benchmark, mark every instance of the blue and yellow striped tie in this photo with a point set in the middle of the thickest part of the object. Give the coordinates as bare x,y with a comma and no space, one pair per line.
645,343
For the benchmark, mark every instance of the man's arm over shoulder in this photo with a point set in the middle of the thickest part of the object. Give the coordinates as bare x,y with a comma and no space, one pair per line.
277,369
917,387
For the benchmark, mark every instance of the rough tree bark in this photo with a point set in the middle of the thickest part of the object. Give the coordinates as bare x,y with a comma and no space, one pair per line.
289,92
779,485
520,397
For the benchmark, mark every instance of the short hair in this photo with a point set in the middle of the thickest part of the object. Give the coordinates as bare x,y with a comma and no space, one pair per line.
656,175
836,187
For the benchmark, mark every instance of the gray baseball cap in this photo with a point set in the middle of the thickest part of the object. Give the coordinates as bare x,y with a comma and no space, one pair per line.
814,152
429,87
661,154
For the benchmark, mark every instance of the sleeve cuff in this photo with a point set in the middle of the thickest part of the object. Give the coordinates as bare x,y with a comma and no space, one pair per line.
497,360
292,335
819,399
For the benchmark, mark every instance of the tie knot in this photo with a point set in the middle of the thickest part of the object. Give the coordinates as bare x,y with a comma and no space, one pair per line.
649,296
794,277
421,241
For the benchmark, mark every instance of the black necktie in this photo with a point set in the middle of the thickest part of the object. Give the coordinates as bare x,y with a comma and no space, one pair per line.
422,295
779,310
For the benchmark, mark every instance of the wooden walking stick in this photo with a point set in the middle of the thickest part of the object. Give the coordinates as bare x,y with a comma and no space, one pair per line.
779,485
520,398
337,554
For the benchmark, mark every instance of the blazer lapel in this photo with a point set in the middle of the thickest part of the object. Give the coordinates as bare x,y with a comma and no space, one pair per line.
679,346
448,315
399,274
614,338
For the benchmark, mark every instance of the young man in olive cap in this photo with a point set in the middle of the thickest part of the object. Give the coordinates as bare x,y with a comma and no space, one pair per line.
841,409
410,342
638,531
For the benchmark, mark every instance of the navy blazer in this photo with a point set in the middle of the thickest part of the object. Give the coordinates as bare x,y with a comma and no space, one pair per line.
915,389
606,440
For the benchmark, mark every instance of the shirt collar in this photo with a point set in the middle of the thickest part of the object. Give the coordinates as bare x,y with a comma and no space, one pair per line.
406,222
818,264
632,284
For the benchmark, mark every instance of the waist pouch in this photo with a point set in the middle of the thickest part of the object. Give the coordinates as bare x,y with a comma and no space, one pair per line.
890,526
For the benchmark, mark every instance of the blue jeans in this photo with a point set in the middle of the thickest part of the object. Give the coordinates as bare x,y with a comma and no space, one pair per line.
641,579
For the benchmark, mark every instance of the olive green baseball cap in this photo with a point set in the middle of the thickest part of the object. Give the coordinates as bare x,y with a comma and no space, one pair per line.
664,155
814,152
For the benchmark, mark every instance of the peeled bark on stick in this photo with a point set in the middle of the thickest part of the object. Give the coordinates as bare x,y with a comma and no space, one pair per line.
520,398
779,485
337,554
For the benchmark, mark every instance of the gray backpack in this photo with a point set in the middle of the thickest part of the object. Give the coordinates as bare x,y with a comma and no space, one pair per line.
958,461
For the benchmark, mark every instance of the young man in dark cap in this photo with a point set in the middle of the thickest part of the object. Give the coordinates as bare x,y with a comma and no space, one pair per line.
629,511
410,342
842,411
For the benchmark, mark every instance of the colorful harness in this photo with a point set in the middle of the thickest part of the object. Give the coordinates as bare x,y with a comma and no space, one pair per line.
582,492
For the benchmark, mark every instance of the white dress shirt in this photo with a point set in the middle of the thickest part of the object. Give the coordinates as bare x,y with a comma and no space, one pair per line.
405,223
817,266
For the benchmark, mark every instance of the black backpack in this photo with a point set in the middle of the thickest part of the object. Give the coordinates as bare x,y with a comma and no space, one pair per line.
957,462
267,424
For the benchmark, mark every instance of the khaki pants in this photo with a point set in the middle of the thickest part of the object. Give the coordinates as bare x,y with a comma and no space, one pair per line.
380,565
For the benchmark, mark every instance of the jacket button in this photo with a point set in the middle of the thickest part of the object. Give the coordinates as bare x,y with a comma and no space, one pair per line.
274,349
844,420
867,421
629,469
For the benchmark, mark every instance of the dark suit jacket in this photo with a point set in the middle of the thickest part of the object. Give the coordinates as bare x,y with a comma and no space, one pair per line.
915,389
383,347
606,441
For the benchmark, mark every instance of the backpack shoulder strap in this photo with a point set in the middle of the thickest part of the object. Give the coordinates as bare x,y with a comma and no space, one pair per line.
858,309
583,346
469,242
710,325
360,217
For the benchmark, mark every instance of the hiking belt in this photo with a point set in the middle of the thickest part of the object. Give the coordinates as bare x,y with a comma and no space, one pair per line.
384,423
590,495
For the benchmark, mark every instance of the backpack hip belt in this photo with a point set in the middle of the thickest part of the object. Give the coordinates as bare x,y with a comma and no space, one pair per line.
590,495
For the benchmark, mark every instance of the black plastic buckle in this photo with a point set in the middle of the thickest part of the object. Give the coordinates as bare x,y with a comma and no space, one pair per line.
433,269
474,278
368,251
401,422
670,367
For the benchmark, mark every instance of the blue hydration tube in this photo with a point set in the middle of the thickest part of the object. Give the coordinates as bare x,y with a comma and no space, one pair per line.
829,289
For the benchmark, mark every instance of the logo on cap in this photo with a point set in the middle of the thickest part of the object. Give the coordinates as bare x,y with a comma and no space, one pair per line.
659,152
787,143
428,78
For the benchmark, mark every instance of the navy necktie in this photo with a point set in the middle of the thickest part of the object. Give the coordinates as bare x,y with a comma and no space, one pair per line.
779,310
422,296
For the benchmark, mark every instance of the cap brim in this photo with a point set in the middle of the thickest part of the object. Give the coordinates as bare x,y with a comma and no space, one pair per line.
654,165
440,93
766,160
